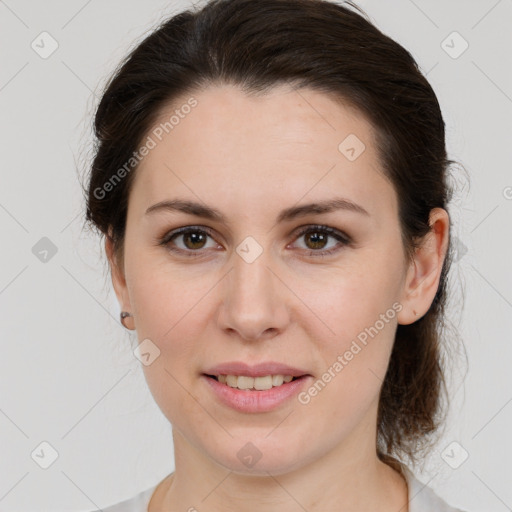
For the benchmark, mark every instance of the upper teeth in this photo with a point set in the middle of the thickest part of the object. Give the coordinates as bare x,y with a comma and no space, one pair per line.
259,383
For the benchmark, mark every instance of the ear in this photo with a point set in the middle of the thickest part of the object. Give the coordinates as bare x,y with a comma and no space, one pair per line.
118,281
424,272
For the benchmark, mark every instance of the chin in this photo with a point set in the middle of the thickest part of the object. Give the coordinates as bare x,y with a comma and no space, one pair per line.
259,456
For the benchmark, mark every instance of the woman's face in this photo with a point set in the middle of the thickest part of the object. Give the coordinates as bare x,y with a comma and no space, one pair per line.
251,288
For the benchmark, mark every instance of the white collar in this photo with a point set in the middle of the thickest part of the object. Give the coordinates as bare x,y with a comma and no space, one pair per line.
422,498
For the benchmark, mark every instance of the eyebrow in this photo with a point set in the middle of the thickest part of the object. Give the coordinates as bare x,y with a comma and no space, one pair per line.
207,212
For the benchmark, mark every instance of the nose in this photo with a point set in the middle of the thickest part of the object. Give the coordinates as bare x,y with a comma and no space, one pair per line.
254,303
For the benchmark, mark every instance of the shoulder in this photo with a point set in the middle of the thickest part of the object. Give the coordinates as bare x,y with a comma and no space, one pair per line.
422,498
138,503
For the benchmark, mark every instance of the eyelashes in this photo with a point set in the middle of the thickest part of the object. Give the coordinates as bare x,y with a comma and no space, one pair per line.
326,232
320,234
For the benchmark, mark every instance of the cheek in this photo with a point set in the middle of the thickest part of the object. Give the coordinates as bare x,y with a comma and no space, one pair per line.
349,299
164,298
354,367
360,309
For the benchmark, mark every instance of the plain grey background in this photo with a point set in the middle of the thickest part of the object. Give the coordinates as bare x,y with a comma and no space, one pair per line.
68,376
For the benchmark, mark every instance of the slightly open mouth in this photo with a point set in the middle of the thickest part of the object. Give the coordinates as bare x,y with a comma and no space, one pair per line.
215,377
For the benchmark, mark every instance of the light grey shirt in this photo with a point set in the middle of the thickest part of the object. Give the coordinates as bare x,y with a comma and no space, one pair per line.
421,499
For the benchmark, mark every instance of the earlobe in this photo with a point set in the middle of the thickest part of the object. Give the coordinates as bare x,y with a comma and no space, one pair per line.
117,276
424,272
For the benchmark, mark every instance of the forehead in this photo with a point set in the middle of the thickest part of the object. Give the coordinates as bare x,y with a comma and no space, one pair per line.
272,148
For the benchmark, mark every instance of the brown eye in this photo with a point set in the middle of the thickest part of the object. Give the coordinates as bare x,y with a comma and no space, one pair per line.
187,240
194,239
316,238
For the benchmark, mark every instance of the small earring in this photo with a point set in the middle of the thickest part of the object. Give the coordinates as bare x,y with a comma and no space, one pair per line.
123,315
415,312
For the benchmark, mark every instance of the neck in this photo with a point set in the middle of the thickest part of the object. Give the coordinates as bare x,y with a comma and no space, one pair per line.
339,480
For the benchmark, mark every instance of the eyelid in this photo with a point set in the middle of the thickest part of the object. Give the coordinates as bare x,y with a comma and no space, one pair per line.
334,232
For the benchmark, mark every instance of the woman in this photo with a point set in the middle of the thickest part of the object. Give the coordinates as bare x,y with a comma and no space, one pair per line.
270,178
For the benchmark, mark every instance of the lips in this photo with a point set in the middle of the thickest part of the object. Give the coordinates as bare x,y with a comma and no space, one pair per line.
252,401
257,370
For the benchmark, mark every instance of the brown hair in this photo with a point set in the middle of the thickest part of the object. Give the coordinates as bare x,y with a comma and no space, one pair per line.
331,48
